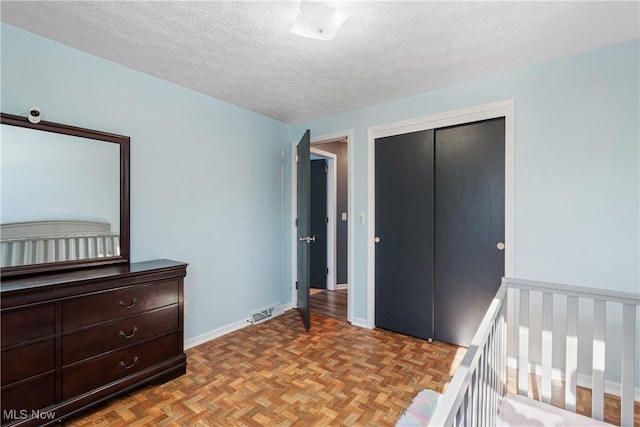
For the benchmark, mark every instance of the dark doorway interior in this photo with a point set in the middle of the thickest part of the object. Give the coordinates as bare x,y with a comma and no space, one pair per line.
341,150
318,224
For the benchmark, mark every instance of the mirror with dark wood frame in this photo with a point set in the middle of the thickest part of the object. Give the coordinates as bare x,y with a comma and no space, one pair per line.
64,197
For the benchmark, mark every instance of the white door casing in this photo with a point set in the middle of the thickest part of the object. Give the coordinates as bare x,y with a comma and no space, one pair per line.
332,195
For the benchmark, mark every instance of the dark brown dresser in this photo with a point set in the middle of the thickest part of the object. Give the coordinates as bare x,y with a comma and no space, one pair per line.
72,340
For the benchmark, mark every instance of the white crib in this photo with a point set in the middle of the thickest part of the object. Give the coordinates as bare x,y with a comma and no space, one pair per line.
558,333
36,242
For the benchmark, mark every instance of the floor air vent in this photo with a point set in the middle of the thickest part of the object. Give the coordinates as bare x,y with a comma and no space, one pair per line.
267,313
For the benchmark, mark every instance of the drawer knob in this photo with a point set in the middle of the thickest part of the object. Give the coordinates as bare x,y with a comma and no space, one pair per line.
125,366
123,304
121,334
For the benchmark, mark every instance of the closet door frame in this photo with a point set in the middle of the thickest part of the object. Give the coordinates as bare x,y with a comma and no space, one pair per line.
506,109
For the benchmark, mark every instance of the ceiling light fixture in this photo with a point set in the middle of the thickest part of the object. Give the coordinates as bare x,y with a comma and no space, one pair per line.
318,20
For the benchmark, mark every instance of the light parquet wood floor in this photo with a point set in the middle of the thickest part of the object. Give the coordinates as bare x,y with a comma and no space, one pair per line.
276,373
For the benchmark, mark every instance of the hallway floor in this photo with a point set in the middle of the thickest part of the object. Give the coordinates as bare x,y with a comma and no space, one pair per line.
330,303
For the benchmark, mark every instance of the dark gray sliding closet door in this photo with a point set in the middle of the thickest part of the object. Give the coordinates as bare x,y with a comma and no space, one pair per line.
469,226
404,228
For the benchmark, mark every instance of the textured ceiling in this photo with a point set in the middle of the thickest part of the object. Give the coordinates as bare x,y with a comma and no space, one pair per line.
242,52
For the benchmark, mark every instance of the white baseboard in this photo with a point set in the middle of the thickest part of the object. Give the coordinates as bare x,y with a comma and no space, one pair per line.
216,333
342,286
582,380
223,330
361,323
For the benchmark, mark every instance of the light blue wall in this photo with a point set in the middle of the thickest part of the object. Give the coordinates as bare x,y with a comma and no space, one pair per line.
577,165
209,186
205,175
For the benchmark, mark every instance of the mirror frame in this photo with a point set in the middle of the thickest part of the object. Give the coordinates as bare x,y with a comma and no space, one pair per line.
124,142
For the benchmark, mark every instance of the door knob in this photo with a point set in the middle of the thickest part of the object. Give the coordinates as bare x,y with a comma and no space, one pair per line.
308,239
500,246
377,239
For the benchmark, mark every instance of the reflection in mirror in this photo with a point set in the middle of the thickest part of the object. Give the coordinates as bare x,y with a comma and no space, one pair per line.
63,198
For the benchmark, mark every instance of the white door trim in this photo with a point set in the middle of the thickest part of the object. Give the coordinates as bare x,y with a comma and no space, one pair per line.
336,136
332,196
506,109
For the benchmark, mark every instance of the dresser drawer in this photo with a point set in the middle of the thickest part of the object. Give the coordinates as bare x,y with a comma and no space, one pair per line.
110,336
27,361
84,377
114,304
18,401
27,324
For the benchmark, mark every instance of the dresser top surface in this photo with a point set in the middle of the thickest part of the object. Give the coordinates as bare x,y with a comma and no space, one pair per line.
88,274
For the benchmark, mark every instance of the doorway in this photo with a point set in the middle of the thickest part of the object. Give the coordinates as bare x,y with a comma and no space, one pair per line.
336,300
474,114
333,302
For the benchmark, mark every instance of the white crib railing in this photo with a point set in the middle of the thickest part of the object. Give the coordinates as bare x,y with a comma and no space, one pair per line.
475,393
556,328
541,314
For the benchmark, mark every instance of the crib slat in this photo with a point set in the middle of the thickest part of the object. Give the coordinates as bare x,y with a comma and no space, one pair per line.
493,386
496,365
547,345
571,362
56,250
503,351
628,363
481,404
502,355
523,341
478,400
474,398
21,253
32,252
597,397
497,369
45,247
67,247
465,408
77,248
487,383
9,261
